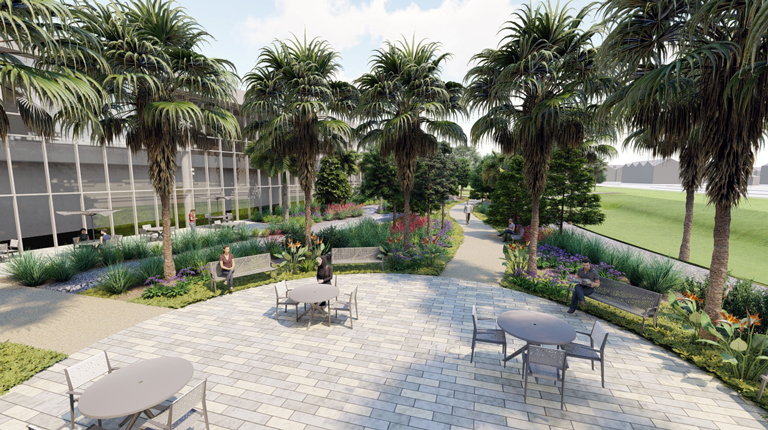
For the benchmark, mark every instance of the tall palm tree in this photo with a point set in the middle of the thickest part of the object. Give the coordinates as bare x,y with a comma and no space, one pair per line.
405,107
292,92
710,54
39,45
534,92
163,94
274,165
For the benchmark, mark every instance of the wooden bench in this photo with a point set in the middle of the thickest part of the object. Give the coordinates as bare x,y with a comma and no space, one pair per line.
244,266
356,255
635,300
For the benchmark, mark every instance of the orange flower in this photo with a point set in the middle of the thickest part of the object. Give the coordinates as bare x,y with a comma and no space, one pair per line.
753,319
728,317
694,298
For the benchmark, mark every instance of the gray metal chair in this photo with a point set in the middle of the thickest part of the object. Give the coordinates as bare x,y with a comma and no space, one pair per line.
85,371
281,298
4,251
544,363
346,306
494,336
182,413
594,352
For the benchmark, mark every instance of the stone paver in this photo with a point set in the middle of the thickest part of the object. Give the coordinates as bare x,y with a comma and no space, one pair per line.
405,365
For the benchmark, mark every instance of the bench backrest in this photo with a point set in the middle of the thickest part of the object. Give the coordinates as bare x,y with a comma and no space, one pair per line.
243,264
355,254
628,294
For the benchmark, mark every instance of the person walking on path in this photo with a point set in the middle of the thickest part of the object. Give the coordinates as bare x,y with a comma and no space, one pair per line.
467,211
227,263
589,281
192,220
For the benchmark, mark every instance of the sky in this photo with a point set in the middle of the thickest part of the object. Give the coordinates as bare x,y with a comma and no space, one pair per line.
355,28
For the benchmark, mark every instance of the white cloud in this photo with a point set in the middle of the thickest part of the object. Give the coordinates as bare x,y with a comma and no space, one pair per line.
463,27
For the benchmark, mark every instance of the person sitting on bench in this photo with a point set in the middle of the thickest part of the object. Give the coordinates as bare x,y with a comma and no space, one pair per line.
514,231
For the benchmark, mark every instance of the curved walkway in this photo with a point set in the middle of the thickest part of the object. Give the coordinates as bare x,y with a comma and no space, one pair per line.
479,257
405,365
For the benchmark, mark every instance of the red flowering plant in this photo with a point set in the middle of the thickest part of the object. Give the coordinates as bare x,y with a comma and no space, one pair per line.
744,352
417,222
543,233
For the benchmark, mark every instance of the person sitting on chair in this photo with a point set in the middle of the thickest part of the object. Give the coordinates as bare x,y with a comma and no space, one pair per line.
104,237
83,235
324,272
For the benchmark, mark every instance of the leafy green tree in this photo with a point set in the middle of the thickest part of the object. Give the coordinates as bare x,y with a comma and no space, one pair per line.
535,92
696,67
292,94
463,170
568,195
332,185
510,198
380,178
435,182
480,189
162,93
271,163
405,107
470,153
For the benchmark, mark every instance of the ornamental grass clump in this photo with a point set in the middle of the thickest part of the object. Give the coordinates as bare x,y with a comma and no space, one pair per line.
111,254
150,267
135,248
118,278
28,268
60,268
84,258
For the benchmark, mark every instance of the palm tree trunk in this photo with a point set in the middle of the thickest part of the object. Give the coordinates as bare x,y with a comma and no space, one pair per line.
718,268
685,246
284,198
407,220
169,268
308,216
534,234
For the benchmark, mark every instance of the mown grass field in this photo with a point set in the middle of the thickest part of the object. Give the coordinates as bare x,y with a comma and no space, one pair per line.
654,220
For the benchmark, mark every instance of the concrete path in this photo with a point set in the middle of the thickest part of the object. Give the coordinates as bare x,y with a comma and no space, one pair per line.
64,322
479,257
405,365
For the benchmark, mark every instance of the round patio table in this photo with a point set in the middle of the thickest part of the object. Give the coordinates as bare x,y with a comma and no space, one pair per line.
314,294
535,328
135,388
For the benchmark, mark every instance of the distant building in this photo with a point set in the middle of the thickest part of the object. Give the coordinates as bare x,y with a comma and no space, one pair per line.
613,173
764,174
646,172
755,178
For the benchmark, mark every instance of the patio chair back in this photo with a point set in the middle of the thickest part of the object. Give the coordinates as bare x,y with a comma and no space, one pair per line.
146,226
87,370
599,336
546,357
116,238
281,289
3,248
186,403
14,245
546,363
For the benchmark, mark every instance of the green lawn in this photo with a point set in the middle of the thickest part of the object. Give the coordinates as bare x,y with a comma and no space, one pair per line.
654,220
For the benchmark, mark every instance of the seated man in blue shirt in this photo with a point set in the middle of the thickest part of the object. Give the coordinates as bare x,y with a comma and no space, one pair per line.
83,235
105,236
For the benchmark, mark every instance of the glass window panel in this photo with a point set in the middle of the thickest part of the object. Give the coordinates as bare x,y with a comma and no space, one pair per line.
145,208
254,178
242,169
68,226
61,165
17,125
91,168
123,202
119,173
213,170
28,168
7,222
5,181
141,172
34,217
198,174
179,175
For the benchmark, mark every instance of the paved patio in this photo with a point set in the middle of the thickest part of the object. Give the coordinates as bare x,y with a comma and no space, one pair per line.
404,365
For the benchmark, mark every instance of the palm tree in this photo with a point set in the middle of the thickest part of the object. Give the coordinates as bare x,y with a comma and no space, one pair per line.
405,108
39,46
711,55
274,165
162,93
534,92
292,92
596,153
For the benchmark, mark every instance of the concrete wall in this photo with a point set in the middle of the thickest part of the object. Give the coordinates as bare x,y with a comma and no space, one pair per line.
764,174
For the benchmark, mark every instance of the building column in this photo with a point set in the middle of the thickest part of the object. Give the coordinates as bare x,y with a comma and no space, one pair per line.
50,196
133,194
80,184
187,184
7,145
109,192
236,206
221,177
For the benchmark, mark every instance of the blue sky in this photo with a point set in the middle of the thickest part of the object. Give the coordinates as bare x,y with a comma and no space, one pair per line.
356,27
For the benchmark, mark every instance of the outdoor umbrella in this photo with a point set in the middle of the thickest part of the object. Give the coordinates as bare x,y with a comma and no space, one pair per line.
90,213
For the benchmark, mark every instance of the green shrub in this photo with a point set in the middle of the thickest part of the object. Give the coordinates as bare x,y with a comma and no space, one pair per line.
150,267
248,247
335,237
21,362
111,254
28,268
660,276
243,232
118,278
60,268
135,248
367,233
84,258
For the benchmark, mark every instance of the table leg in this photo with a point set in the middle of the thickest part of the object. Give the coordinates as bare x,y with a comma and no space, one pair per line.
311,315
133,421
515,354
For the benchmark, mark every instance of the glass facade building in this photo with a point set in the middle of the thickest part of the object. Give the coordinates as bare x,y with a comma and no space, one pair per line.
39,178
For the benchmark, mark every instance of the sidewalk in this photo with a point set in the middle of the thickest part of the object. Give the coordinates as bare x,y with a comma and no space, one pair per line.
479,257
